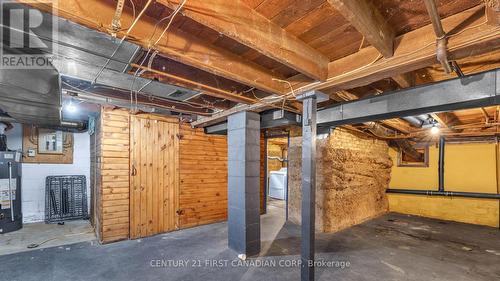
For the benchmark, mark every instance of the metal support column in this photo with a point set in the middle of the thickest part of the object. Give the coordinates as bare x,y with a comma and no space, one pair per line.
310,100
441,164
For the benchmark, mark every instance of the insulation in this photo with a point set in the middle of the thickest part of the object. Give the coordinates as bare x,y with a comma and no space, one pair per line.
352,174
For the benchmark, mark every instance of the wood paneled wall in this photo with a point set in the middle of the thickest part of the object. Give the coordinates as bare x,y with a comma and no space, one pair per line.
203,177
262,173
112,175
202,172
95,182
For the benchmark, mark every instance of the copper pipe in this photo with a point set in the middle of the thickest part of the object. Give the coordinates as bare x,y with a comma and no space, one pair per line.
435,19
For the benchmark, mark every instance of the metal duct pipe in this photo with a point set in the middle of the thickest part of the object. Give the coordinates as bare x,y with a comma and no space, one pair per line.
441,52
445,193
402,144
414,121
121,103
442,55
73,126
435,18
423,117
7,119
378,130
67,126
3,128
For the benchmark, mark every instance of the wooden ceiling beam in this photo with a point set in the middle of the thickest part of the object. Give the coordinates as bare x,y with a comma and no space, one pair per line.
238,21
485,115
493,12
366,18
178,45
398,125
468,36
445,119
404,80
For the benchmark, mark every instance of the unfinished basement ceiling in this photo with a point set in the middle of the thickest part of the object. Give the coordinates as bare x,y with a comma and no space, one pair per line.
227,68
223,131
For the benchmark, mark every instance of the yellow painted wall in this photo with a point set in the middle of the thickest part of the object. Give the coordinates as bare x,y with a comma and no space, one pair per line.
468,168
423,178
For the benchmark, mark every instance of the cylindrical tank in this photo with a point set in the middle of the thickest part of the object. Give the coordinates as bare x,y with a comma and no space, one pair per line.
11,217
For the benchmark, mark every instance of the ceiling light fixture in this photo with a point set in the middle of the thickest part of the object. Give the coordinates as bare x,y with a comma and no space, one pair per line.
434,130
70,107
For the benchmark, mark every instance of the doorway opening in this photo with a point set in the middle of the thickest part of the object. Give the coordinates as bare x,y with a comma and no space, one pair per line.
277,175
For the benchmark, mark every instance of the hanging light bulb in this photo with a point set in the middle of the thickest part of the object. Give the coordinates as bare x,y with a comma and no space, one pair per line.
434,130
70,107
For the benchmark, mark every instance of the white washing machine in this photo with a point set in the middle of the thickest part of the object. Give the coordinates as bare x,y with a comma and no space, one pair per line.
277,184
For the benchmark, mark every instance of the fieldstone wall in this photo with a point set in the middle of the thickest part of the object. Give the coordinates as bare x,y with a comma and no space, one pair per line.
352,173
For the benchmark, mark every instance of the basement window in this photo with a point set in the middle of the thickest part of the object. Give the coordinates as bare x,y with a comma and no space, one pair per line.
407,160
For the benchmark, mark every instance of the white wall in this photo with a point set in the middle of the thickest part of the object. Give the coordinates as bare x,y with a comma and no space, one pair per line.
33,175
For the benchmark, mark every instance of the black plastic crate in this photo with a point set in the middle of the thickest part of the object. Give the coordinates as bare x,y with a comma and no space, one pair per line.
65,198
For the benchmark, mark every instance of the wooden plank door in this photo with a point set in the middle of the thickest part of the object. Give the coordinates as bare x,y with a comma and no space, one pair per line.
154,180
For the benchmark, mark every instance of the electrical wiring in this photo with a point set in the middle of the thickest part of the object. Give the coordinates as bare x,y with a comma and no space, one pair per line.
138,71
172,16
288,83
123,39
261,100
362,42
176,11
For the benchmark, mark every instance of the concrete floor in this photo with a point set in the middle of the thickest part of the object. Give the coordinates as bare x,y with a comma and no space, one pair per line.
391,247
52,234
276,203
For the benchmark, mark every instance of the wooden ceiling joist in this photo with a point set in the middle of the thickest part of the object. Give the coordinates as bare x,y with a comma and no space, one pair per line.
238,21
178,45
398,125
493,12
404,80
365,17
468,35
445,119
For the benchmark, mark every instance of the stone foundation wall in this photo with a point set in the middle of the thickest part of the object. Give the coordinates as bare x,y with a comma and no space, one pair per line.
352,173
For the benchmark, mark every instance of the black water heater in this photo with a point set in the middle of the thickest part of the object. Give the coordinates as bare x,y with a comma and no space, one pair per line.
11,217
